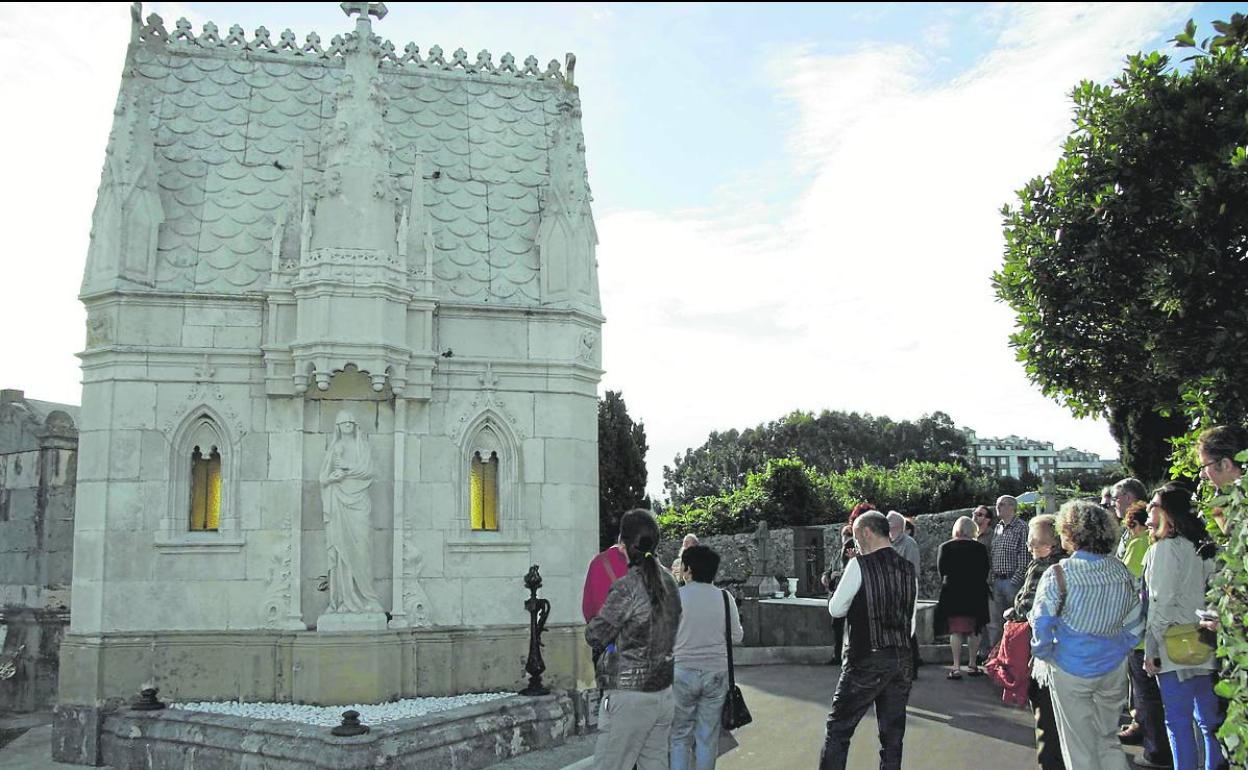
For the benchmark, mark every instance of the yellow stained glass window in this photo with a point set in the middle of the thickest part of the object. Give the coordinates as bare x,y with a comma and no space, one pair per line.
483,492
205,491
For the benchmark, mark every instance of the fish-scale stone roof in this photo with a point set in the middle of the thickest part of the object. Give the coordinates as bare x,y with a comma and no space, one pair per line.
238,128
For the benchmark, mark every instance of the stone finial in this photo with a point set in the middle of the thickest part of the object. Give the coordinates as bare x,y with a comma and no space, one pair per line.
136,21
351,725
147,700
376,10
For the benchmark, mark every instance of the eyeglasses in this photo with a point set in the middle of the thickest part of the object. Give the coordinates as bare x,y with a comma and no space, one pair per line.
1211,462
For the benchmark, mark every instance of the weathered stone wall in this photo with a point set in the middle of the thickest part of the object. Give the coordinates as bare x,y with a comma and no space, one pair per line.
38,468
741,553
930,530
32,640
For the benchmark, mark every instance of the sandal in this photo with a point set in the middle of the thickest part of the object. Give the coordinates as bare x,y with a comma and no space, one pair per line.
953,674
974,671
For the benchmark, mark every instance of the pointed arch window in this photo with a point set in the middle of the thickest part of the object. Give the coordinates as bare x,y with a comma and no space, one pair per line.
205,507
202,514
483,491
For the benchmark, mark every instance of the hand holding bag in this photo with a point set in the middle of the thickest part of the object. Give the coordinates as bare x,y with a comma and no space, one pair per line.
735,713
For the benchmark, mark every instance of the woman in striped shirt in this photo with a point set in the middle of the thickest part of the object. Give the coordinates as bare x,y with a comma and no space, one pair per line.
1085,621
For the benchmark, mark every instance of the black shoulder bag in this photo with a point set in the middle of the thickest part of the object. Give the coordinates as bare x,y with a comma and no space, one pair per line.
736,713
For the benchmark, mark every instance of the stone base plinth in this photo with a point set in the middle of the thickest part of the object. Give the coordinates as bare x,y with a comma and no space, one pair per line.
311,666
476,736
351,621
326,669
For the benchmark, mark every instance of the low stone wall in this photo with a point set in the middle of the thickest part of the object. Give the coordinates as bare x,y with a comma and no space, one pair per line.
467,738
741,553
806,622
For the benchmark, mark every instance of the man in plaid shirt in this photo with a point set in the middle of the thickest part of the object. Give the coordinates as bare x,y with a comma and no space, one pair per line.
1009,562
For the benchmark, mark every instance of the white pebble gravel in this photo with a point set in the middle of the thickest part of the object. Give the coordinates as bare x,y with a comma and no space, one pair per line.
329,716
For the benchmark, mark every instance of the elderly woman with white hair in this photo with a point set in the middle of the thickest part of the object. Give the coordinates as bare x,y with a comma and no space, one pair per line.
1046,550
962,608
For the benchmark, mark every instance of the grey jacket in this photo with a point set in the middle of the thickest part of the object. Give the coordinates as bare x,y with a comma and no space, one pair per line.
642,658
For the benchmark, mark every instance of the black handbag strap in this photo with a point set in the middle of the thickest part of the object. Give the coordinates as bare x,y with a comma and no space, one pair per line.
732,680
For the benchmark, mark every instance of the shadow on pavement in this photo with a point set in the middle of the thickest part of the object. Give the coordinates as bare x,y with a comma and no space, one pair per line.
972,704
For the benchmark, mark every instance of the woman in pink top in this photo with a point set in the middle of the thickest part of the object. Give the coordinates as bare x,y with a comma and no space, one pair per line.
605,568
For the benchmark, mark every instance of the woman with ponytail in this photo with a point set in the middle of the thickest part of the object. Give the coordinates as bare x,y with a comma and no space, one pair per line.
637,627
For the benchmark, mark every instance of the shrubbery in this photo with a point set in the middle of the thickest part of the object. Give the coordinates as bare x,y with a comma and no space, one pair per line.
788,493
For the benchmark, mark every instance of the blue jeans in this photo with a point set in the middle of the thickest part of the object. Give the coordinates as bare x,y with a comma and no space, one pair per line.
880,678
699,697
1002,593
1183,700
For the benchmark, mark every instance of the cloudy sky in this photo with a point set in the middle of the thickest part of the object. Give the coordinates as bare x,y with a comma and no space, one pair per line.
798,205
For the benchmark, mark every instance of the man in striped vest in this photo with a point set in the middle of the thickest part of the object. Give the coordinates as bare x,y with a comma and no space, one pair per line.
877,595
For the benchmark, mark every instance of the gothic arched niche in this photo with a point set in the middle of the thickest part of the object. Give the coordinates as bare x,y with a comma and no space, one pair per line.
490,478
202,508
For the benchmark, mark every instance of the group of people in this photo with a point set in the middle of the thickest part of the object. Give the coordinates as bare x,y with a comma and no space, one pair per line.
660,651
1104,602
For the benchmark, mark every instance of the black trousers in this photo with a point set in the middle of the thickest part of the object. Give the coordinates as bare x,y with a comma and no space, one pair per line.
1048,744
882,678
1149,712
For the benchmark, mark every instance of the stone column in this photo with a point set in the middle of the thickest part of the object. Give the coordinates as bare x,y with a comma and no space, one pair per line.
397,611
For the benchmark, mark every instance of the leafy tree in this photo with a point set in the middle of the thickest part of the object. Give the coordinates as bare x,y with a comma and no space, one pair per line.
621,465
827,442
1126,265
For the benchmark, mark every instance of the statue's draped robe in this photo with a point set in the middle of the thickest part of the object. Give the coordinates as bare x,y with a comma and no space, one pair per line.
348,523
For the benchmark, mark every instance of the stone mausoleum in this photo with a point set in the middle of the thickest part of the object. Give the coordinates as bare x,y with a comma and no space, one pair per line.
339,386
38,455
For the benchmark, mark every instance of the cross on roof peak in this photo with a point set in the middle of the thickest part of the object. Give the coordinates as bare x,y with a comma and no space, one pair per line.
365,9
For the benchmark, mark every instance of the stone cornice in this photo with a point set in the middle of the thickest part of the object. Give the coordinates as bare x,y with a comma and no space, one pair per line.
235,43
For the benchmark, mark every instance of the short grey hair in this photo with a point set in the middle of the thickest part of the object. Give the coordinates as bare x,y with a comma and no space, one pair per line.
1045,525
965,527
895,519
1134,486
1008,500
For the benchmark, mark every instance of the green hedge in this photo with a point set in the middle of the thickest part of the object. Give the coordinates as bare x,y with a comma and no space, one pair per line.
788,493
1228,595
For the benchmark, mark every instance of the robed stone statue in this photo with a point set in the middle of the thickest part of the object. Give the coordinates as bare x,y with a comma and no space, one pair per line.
346,479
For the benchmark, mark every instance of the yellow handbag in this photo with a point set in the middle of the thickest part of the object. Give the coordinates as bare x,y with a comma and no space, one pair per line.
1184,645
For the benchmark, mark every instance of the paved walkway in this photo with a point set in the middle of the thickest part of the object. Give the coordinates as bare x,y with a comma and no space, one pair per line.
958,725
954,725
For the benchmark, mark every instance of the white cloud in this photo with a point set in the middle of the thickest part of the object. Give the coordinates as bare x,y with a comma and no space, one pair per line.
868,292
873,292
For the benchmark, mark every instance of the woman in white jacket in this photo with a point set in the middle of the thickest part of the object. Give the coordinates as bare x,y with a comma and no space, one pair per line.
1176,576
